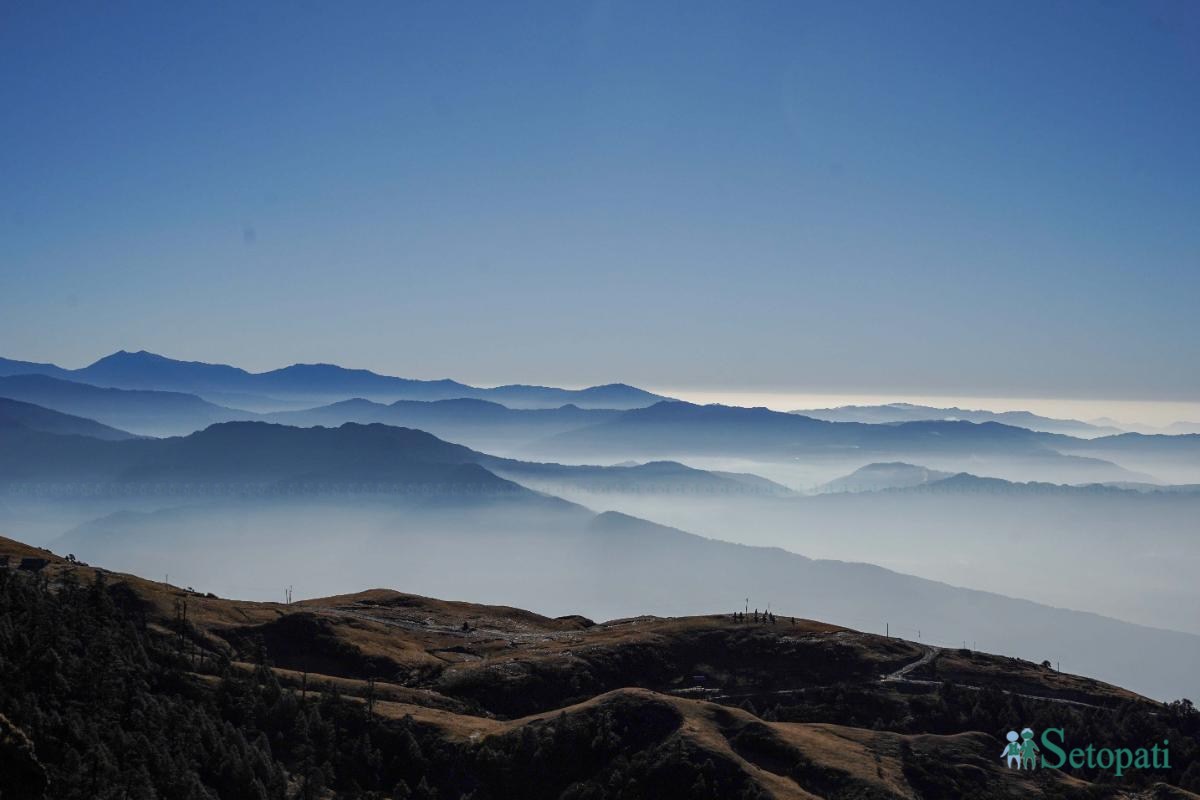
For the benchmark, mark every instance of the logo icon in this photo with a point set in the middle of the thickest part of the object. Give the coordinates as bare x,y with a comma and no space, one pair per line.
1021,750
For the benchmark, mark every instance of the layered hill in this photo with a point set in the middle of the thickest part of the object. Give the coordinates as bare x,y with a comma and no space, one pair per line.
481,424
908,412
684,430
243,455
1175,458
253,505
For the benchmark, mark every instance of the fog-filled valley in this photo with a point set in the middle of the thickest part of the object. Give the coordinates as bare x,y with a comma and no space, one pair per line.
1073,549
555,558
1117,552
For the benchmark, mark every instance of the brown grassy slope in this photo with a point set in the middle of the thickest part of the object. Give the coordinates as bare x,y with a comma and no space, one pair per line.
792,760
1015,675
533,670
512,662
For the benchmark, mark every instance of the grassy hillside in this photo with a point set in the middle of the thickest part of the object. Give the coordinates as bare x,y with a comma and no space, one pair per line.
389,695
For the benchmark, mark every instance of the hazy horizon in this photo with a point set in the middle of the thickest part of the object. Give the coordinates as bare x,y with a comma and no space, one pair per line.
1155,413
1148,412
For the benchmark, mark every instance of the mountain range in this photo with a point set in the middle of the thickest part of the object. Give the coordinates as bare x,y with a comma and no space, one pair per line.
257,456
907,412
482,424
312,382
679,430
666,430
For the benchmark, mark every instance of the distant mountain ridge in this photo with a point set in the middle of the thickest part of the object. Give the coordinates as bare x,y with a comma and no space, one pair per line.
246,454
480,424
911,478
145,370
655,477
234,457
679,430
714,428
966,483
879,476
908,412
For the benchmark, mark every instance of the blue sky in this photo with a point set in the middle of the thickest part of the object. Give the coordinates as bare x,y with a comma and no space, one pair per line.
958,198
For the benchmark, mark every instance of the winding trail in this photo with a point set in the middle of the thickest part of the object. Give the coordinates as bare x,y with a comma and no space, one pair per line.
928,654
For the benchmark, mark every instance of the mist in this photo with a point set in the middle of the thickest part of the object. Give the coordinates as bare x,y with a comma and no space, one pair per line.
558,558
1122,554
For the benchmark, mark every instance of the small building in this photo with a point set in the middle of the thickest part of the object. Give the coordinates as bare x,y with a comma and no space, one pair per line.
32,564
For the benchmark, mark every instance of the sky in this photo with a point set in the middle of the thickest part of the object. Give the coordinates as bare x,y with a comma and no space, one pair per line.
873,198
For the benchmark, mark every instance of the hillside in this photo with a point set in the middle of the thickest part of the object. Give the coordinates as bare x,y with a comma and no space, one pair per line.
27,416
452,699
145,412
